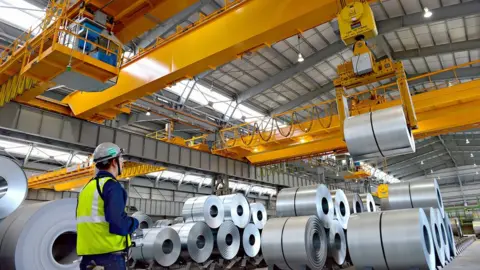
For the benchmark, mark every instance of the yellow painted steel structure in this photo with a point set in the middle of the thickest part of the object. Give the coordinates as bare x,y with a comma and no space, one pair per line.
450,109
78,175
255,24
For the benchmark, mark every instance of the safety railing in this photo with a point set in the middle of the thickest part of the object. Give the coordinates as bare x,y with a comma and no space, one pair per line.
196,140
300,121
158,135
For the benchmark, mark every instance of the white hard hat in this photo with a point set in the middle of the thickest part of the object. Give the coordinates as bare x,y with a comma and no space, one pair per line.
106,151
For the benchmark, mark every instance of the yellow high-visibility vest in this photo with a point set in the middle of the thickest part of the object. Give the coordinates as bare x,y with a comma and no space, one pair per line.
93,235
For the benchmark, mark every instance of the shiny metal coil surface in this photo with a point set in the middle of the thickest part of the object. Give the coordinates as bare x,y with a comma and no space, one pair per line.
206,208
425,194
451,239
40,236
398,197
456,227
294,243
177,220
251,240
341,206
365,242
227,240
355,203
476,227
259,215
144,220
13,186
435,229
337,242
161,245
237,209
407,240
381,133
197,241
443,233
285,206
368,202
162,223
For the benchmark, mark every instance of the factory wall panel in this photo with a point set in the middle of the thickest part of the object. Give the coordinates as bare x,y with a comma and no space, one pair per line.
150,148
195,158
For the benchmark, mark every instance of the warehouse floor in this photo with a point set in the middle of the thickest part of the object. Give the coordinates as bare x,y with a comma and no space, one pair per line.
469,259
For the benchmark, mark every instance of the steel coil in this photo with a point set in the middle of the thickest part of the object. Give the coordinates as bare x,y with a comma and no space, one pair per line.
161,245
443,233
40,236
208,209
227,240
294,243
341,206
437,240
406,234
456,227
144,220
259,215
365,241
162,223
451,239
381,133
398,197
196,239
13,186
355,203
337,243
285,205
236,209
251,240
476,227
177,220
425,194
368,202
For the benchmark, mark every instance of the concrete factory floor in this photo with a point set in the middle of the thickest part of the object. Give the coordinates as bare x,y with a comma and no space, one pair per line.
469,259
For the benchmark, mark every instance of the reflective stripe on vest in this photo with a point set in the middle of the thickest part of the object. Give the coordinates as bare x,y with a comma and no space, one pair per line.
93,231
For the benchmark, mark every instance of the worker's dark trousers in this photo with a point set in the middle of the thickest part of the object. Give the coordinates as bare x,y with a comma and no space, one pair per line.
108,261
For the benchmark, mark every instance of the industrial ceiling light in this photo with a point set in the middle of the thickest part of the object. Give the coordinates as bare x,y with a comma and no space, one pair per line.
431,171
421,162
300,56
427,13
467,141
471,154
337,173
476,172
147,113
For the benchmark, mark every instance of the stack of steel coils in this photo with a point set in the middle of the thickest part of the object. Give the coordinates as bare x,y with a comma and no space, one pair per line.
144,220
341,206
304,201
438,238
161,245
294,243
356,203
40,236
383,240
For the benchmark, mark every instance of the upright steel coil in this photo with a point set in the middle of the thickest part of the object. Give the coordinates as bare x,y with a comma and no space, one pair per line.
13,186
227,240
304,201
451,239
368,202
406,234
40,236
476,227
259,215
341,206
236,209
162,223
456,227
425,194
435,229
443,233
337,243
161,245
144,220
355,203
197,241
251,240
294,243
208,209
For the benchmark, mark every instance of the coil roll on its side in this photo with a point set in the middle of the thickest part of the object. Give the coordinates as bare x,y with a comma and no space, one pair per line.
398,197
368,202
162,223
197,241
236,209
227,240
251,240
355,203
412,241
451,239
476,227
40,236
342,209
337,243
285,205
13,186
259,215
425,194
144,220
271,243
432,218
158,244
365,241
208,209
456,227
443,233
187,209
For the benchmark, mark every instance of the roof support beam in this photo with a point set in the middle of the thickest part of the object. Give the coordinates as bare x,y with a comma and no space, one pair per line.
456,168
386,26
438,49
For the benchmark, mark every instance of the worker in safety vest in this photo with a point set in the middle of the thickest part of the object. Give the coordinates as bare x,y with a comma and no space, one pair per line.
103,227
